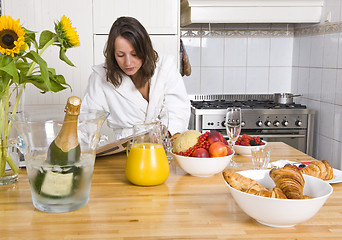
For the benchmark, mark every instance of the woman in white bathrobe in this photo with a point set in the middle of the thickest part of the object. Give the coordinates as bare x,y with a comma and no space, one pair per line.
134,82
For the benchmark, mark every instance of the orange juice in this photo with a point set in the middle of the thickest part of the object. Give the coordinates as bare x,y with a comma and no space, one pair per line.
147,164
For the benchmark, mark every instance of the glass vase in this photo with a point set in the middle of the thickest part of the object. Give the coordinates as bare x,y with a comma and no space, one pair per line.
10,105
10,157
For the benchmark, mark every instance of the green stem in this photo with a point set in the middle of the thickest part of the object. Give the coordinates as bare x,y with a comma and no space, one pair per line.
48,44
5,125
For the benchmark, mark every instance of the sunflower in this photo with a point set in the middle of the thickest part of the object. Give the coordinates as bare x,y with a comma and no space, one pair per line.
12,36
66,33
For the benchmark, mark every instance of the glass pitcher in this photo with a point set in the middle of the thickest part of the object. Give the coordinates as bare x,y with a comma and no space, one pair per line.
37,128
147,164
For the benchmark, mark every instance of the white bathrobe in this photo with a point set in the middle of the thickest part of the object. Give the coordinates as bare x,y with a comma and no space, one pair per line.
127,106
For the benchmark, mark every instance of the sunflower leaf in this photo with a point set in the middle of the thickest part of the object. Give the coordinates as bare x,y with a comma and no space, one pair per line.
38,82
30,37
64,58
42,64
58,78
8,69
23,66
45,37
54,83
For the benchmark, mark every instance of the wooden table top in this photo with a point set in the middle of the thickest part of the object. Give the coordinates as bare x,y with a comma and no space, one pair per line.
184,207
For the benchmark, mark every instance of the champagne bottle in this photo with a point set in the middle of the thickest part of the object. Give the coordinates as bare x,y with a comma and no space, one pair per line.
63,179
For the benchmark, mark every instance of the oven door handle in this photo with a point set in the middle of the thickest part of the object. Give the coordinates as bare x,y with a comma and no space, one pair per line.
275,136
279,135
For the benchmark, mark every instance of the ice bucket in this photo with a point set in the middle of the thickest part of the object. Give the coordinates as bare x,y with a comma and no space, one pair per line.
37,128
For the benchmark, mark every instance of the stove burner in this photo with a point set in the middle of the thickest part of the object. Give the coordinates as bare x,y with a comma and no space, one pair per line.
246,104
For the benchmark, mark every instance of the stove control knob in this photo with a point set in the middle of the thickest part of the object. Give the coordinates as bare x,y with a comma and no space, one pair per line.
259,123
285,123
243,123
299,123
223,124
268,123
276,123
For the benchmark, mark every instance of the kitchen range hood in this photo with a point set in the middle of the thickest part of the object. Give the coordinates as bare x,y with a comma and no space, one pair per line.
250,11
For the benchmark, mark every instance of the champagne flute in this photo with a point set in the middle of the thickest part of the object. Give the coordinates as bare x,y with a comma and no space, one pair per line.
233,127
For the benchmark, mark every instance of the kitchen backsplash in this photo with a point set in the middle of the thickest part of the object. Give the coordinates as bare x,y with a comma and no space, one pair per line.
317,74
239,58
268,58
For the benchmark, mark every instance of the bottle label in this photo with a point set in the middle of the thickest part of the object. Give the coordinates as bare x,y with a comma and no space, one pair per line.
57,184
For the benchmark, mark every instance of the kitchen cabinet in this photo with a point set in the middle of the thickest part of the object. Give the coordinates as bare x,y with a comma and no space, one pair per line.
160,18
250,11
93,20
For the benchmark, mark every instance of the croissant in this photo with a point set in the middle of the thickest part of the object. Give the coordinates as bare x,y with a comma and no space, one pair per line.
247,185
290,180
320,169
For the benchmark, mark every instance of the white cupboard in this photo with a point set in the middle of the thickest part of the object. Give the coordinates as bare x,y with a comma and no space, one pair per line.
93,19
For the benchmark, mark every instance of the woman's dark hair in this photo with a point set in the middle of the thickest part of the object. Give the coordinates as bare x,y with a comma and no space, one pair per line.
132,30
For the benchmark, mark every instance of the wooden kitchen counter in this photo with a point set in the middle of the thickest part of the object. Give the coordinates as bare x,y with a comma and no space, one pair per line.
184,207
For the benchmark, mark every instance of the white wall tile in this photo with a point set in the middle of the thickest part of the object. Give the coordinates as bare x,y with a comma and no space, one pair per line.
338,123
337,155
294,80
212,52
316,106
280,79
317,47
304,51
326,120
315,83
325,149
212,80
303,81
330,50
193,49
339,56
295,54
334,7
193,82
235,52
281,52
234,80
257,80
258,53
338,93
328,86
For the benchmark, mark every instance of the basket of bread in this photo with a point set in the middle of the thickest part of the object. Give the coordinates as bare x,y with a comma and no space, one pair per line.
280,197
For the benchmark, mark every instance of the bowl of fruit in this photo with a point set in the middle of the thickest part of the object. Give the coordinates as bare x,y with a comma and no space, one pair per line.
246,143
202,155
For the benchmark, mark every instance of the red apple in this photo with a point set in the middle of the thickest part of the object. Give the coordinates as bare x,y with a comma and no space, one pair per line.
230,151
218,149
201,153
215,137
225,142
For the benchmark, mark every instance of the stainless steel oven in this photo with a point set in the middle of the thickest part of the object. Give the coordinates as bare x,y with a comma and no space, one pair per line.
261,116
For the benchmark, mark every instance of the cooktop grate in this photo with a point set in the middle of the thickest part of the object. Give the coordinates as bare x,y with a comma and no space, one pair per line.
231,97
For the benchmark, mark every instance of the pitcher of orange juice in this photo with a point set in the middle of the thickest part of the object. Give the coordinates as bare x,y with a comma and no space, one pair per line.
147,164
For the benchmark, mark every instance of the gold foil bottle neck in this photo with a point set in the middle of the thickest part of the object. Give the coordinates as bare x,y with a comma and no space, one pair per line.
73,106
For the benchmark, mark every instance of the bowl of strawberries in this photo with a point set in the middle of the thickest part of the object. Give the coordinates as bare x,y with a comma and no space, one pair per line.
245,143
208,155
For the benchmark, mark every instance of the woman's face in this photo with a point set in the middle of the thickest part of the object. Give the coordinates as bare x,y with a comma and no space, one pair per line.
126,57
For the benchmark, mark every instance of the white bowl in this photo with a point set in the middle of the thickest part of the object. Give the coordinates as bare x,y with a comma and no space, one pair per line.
246,150
203,167
281,212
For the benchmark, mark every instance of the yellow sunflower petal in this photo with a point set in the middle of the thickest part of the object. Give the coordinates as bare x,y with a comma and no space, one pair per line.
68,33
12,35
